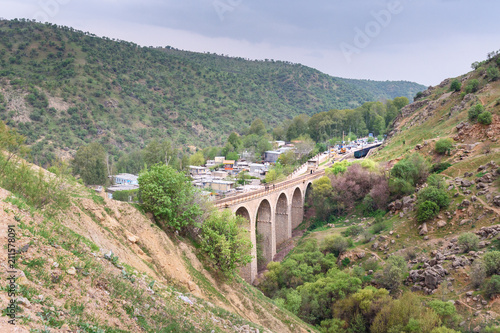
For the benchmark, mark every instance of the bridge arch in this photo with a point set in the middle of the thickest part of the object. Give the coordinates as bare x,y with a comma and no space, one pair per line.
248,272
281,218
265,234
297,208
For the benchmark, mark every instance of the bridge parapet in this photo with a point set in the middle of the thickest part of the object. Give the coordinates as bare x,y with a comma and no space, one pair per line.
273,188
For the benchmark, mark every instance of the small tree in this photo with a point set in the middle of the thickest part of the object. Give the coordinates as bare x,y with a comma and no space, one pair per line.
455,85
169,195
443,146
468,241
475,111
492,262
493,73
427,210
336,245
477,273
226,241
197,159
485,118
472,86
437,195
393,273
90,164
492,287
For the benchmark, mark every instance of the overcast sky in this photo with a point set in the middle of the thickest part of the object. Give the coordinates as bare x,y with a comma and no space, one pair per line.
424,41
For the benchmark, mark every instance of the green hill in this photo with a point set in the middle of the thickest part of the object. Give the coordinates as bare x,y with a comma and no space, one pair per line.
62,88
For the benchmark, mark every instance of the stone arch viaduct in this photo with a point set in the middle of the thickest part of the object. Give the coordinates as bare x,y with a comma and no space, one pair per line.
272,214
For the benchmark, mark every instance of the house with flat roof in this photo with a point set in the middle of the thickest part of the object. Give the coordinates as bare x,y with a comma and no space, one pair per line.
221,186
229,165
257,168
197,170
271,156
126,178
219,159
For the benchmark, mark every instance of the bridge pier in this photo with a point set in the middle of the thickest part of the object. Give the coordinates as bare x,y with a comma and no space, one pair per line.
272,215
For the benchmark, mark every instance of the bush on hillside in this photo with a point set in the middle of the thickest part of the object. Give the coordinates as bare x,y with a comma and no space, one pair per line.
413,169
226,241
443,145
493,73
455,85
436,180
336,245
440,167
400,187
472,86
393,273
468,241
437,195
427,210
169,195
477,273
485,118
492,287
475,111
492,262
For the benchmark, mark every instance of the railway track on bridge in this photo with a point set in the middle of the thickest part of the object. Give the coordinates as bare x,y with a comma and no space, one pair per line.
239,198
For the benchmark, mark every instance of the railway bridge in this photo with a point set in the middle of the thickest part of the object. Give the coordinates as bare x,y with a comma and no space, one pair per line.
272,213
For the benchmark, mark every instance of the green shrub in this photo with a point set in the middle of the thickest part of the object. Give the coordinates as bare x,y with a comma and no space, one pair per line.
378,227
437,195
353,231
475,111
492,262
443,145
440,167
225,241
336,245
414,169
455,85
468,241
472,86
370,264
400,187
493,73
393,273
427,210
170,196
485,118
436,180
477,273
492,287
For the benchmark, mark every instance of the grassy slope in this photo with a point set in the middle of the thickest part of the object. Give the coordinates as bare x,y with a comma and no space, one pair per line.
138,291
124,95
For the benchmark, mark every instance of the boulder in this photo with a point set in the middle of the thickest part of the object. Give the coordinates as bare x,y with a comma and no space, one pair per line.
466,183
408,200
465,203
441,224
423,229
496,201
465,221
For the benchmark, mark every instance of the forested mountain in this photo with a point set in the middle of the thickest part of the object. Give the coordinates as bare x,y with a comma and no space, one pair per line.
62,88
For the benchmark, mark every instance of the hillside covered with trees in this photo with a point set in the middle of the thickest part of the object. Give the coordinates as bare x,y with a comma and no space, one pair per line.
63,88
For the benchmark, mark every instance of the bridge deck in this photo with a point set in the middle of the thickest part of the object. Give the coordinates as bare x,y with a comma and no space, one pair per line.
226,202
